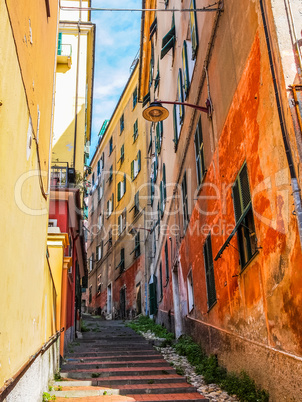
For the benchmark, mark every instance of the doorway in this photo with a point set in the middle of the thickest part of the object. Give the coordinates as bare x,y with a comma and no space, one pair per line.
123,303
109,299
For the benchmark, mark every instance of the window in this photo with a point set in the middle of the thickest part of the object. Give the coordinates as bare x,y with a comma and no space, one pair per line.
168,41
99,167
153,294
122,157
100,190
103,160
110,239
59,43
209,271
185,201
110,145
146,98
136,203
159,136
100,222
134,98
110,205
121,188
121,264
152,191
199,154
190,292
185,69
150,143
160,281
163,193
122,222
110,178
167,262
176,127
99,251
91,263
122,124
246,234
99,283
180,96
135,131
93,179
193,29
157,78
137,250
90,294
136,166
153,28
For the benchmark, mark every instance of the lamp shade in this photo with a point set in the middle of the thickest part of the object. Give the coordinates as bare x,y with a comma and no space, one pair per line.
155,112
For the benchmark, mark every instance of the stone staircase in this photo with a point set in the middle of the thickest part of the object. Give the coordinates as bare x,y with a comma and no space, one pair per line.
113,363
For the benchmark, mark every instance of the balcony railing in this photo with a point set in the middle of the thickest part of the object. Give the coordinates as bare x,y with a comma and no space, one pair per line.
62,176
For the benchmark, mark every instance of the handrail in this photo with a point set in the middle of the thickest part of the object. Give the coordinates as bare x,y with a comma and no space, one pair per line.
12,382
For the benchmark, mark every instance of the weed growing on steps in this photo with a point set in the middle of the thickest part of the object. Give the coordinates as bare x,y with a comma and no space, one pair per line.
144,324
47,397
239,384
95,375
84,327
57,376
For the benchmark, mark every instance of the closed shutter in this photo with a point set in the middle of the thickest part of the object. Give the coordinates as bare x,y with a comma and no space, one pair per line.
132,170
139,161
124,184
153,296
209,268
193,29
175,127
164,181
185,69
180,95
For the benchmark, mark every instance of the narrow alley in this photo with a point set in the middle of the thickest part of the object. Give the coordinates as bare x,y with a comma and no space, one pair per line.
113,363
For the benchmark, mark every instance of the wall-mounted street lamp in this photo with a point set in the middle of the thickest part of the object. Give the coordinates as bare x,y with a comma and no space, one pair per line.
156,112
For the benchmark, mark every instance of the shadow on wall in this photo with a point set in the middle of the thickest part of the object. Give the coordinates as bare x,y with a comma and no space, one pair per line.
62,150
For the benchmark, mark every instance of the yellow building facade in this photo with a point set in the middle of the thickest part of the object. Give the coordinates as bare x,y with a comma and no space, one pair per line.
28,297
74,86
117,211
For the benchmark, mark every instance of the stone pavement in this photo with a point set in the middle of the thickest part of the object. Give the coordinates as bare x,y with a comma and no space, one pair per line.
114,364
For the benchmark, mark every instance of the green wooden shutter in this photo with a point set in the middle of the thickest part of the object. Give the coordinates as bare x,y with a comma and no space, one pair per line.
161,198
175,126
107,208
164,181
118,191
180,95
244,187
209,268
185,69
168,42
193,29
125,182
139,161
60,43
157,140
112,200
152,191
132,170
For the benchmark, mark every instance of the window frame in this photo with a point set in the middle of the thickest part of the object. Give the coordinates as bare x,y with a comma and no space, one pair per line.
209,272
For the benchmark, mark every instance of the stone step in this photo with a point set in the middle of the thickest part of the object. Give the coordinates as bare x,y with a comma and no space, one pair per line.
113,357
77,365
103,398
182,397
78,392
131,371
151,379
165,388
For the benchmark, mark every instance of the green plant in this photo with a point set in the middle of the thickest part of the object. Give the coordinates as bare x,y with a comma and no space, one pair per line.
164,372
180,371
58,388
144,324
151,382
47,397
94,375
49,388
84,327
105,393
58,376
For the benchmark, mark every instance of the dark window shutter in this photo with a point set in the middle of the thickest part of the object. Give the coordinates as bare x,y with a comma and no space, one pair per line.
118,191
132,170
139,160
185,69
237,203
244,187
175,127
164,181
168,42
209,268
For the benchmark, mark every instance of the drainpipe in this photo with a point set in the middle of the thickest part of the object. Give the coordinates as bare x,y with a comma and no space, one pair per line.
289,157
77,89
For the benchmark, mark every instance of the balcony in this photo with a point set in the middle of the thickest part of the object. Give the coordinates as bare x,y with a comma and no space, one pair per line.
62,176
64,54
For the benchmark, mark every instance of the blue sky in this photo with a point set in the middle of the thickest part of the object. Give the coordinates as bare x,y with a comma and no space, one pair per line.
117,43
